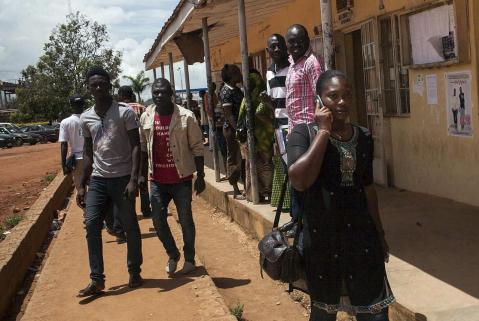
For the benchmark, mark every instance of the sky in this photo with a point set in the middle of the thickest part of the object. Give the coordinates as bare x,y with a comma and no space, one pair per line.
132,26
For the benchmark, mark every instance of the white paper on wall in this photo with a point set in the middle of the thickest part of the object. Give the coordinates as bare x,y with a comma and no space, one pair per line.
426,30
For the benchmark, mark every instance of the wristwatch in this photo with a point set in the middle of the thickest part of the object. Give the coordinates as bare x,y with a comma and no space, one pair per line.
200,174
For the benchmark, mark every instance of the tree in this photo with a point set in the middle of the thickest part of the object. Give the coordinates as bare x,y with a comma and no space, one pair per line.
138,83
72,48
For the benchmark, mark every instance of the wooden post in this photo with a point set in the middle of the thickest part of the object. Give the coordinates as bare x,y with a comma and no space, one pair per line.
154,73
249,104
172,73
162,68
209,80
187,84
327,26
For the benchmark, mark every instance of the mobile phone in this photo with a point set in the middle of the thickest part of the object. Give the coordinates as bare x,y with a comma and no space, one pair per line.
317,99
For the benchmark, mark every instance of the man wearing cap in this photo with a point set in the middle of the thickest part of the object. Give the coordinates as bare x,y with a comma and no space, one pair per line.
71,134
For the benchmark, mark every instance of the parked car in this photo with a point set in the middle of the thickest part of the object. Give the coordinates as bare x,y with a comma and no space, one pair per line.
9,126
6,140
55,128
47,134
21,137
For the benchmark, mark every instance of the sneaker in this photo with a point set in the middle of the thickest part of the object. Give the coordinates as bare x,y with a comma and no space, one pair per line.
188,267
172,265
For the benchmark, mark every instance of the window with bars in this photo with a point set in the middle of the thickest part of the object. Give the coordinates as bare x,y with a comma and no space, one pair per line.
395,77
342,5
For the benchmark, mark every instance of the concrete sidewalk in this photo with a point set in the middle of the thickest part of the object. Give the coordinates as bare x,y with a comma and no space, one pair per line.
433,269
182,298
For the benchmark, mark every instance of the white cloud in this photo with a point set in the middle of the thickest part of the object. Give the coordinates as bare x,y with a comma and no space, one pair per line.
132,25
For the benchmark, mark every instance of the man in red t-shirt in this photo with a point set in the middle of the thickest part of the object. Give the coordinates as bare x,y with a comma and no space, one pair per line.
172,150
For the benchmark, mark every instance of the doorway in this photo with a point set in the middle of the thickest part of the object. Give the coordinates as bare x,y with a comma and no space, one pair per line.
361,63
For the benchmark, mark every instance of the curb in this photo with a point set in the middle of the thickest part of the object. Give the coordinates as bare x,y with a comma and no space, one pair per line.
257,225
19,248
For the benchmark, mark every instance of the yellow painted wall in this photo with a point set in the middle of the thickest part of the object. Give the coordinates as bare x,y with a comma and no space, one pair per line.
425,158
305,12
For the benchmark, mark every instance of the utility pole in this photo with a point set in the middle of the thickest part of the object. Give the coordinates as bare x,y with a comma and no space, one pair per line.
327,28
249,104
162,68
209,80
172,73
187,83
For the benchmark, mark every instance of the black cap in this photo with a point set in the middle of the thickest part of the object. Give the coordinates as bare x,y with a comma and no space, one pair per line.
76,99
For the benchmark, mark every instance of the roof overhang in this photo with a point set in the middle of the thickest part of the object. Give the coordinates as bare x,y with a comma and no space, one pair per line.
222,23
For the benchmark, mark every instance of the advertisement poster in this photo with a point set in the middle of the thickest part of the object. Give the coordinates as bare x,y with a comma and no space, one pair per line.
459,104
431,85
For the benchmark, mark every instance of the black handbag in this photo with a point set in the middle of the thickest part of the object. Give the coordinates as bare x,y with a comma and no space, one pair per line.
278,259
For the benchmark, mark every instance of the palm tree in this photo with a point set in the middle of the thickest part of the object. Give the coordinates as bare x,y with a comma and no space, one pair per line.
138,83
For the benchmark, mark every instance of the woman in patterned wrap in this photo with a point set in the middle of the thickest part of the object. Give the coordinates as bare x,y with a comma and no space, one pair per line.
330,163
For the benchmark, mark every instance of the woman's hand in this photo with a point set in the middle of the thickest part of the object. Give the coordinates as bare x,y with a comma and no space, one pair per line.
324,118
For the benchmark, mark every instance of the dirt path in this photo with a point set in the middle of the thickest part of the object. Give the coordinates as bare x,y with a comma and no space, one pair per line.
23,173
231,258
182,298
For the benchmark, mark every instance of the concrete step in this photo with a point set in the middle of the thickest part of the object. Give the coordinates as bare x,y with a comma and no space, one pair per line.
409,283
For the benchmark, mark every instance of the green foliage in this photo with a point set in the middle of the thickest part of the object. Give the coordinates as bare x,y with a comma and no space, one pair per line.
138,83
49,178
237,311
72,48
12,221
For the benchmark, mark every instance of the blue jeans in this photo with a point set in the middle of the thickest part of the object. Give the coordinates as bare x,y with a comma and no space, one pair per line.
103,192
145,203
180,193
111,219
111,216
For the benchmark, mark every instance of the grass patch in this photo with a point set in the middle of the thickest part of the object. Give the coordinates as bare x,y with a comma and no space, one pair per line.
237,311
49,178
12,221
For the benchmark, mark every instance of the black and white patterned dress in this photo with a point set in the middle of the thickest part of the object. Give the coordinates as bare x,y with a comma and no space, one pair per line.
342,249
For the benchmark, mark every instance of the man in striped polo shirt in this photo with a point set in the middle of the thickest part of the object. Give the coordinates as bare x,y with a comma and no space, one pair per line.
276,79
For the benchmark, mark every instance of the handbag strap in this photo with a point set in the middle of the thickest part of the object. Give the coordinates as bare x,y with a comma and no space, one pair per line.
312,134
282,195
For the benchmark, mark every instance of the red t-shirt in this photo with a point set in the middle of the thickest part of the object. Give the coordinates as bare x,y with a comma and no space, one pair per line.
164,169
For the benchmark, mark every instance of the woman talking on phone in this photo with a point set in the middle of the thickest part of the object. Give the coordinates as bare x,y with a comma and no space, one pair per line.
330,163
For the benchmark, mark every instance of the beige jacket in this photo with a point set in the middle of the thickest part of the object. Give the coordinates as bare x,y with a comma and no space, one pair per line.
186,139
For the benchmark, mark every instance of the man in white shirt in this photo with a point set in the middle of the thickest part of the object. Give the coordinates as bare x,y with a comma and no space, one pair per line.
70,133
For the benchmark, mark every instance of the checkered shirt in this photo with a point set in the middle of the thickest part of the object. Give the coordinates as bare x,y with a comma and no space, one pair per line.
301,88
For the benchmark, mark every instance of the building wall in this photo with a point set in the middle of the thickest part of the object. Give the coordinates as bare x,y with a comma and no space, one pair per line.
425,158
305,12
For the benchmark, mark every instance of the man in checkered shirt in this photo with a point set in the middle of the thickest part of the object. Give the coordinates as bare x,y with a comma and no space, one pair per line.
304,70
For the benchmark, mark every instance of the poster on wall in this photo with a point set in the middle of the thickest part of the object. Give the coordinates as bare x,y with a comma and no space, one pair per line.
431,85
459,103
